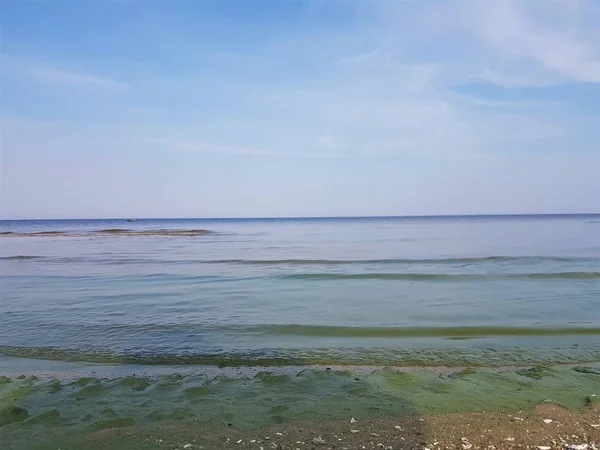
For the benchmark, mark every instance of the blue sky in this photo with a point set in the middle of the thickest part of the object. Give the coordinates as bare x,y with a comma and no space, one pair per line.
235,108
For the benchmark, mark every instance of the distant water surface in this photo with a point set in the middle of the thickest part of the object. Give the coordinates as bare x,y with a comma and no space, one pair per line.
487,290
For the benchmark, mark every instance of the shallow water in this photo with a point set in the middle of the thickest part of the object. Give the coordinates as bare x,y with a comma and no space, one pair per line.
389,291
61,413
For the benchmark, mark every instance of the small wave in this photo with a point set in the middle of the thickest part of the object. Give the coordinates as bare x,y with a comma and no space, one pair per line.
307,262
459,260
441,332
124,232
367,356
108,232
20,258
441,276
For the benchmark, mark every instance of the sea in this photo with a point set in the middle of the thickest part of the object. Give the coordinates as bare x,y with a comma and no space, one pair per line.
486,291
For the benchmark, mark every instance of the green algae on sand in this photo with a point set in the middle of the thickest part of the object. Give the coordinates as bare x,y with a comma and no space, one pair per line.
113,423
271,397
11,414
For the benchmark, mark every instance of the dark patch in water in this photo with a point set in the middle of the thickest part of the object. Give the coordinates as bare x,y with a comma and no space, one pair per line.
137,384
113,423
441,276
537,372
591,370
465,372
12,414
114,230
110,232
20,258
51,417
109,412
399,261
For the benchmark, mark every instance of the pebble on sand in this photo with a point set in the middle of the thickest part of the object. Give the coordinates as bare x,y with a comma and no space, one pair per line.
319,441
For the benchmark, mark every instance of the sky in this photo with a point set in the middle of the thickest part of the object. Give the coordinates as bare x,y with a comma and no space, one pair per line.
273,108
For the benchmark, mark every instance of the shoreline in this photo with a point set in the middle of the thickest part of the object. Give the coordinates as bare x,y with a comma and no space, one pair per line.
547,427
115,408
13,367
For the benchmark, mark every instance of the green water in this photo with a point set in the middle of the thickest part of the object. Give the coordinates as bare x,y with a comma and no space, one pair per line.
46,411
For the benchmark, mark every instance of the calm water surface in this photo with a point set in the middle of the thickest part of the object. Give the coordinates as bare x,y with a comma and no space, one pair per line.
454,290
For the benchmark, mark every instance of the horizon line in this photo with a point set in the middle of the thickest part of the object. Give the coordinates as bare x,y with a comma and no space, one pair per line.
415,216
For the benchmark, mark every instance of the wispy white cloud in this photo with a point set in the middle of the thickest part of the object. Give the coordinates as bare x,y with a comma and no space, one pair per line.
556,35
53,74
200,147
69,78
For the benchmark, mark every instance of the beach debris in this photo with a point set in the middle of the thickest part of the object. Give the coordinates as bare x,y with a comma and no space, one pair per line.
187,446
319,441
544,447
466,445
577,447
548,420
239,442
353,420
510,439
374,434
353,431
398,427
595,425
279,434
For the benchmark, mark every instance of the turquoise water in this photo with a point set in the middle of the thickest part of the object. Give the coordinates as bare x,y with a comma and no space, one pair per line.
402,291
